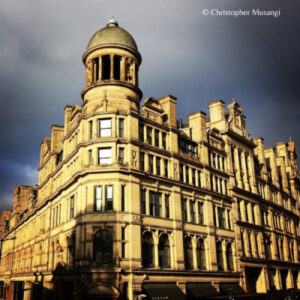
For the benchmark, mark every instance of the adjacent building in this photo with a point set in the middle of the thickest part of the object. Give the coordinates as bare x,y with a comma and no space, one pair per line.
133,203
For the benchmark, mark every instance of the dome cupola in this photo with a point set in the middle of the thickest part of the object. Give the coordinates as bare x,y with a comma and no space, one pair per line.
111,64
112,34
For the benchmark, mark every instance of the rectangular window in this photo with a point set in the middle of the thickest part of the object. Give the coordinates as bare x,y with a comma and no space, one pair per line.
269,172
143,201
98,198
181,172
121,127
193,176
155,204
229,218
141,133
211,182
187,171
246,211
56,218
184,209
142,161
164,140
167,206
285,202
166,168
200,213
158,166
156,137
149,135
72,207
121,156
214,160
151,163
109,197
105,67
117,65
104,156
90,156
123,242
199,178
221,217
214,215
104,127
192,211
253,212
91,129
123,197
59,157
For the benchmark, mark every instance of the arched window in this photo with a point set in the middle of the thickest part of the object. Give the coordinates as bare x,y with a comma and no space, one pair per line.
71,250
220,256
164,251
188,254
229,257
201,258
103,247
147,250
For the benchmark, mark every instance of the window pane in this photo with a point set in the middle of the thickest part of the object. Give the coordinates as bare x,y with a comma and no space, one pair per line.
105,127
105,156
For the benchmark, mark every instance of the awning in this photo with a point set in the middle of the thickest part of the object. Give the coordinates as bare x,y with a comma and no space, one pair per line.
163,291
200,289
231,288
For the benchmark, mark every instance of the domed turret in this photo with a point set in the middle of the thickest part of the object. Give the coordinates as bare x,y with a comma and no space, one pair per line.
112,34
111,62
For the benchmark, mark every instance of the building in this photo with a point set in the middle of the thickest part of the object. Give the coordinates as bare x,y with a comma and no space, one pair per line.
132,203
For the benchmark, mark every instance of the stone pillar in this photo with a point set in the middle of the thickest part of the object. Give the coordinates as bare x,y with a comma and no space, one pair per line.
111,67
100,69
243,210
245,170
134,77
252,179
194,245
147,202
27,290
238,168
246,242
278,282
262,285
224,256
122,68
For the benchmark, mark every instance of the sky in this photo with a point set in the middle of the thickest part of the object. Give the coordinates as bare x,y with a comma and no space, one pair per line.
188,51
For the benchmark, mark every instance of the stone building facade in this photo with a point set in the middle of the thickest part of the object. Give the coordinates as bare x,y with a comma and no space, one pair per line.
132,203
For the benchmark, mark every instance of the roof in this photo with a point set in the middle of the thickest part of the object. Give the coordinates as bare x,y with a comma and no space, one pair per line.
112,34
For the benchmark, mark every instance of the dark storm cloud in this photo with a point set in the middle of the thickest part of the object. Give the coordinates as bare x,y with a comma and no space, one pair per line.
196,58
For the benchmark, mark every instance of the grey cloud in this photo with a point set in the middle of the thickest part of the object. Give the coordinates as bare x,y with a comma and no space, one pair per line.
194,57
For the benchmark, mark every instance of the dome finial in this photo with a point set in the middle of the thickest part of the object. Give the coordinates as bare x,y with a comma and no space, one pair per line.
112,23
